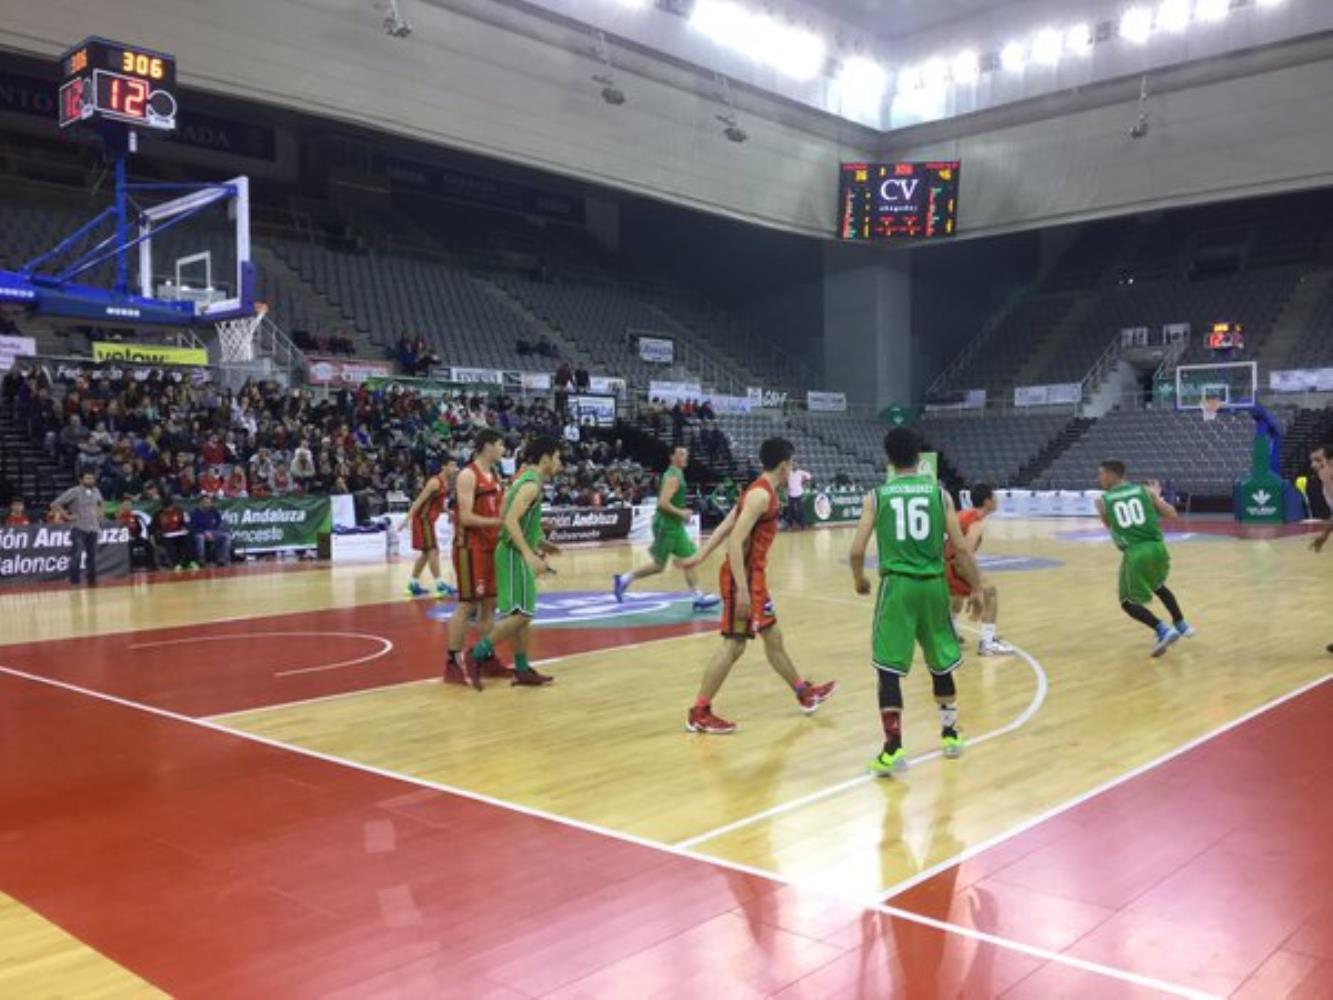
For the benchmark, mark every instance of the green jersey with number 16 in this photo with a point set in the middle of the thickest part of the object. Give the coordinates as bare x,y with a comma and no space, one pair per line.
909,526
1132,515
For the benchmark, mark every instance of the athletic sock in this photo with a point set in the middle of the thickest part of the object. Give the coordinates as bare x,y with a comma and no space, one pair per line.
892,721
702,702
698,592
801,687
453,655
949,719
1141,614
987,631
520,661
483,650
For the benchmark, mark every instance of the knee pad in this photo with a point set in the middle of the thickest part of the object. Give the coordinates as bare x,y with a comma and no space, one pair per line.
943,685
890,690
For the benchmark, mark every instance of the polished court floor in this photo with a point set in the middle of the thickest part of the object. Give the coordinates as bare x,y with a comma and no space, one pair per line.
253,784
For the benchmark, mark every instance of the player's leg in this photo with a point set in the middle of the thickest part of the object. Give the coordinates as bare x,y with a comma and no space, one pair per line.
1168,598
991,644
809,694
701,718
893,641
621,582
423,540
1140,571
683,547
943,655
525,674
454,668
442,588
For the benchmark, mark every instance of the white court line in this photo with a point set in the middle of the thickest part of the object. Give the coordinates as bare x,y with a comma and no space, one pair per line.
386,646
1038,698
1058,958
436,680
1106,786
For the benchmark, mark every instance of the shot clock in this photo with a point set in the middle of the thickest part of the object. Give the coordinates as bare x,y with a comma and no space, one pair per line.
107,82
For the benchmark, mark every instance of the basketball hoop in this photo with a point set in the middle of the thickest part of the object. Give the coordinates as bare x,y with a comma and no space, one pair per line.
1211,408
236,337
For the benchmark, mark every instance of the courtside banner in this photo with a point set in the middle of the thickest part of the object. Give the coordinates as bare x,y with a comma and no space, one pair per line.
281,524
833,506
658,350
40,553
826,402
149,354
15,347
587,524
345,371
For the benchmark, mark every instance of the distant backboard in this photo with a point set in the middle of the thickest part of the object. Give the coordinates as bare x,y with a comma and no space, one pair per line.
1231,385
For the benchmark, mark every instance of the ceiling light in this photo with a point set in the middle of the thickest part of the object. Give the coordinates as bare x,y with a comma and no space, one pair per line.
911,78
1047,47
1013,57
1136,25
935,73
787,48
1212,10
1173,15
633,4
1078,39
863,75
965,67
1269,3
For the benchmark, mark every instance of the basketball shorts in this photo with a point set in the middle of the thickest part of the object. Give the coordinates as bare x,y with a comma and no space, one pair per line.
474,569
957,585
670,540
762,615
912,611
515,583
423,535
1143,569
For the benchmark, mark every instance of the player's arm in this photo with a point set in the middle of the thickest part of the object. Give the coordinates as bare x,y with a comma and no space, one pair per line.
973,536
418,505
714,542
865,527
1321,539
1154,489
750,511
1101,511
670,485
513,522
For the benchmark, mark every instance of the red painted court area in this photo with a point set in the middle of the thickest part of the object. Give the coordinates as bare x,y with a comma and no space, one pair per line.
217,865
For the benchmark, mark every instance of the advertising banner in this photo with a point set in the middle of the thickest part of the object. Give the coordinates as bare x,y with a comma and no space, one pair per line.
1063,393
1301,380
826,402
607,384
40,553
671,392
963,399
767,399
539,381
15,347
149,354
1046,503
658,350
587,524
345,371
279,524
486,376
599,411
833,506
728,404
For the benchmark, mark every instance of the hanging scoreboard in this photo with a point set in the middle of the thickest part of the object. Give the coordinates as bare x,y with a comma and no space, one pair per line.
884,202
104,82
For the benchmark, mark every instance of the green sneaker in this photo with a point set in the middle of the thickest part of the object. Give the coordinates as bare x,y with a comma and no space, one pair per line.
951,746
886,763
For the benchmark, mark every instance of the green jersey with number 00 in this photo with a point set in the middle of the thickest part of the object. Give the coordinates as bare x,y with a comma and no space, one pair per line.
1132,515
909,526
531,522
662,519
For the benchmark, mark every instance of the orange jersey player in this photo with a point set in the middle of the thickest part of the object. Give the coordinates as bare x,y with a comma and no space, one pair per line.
972,521
423,515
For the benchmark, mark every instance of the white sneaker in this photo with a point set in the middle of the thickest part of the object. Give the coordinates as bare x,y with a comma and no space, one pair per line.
994,647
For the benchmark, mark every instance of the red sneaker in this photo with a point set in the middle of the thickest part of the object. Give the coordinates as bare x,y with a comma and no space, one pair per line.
702,720
453,672
496,667
530,678
815,695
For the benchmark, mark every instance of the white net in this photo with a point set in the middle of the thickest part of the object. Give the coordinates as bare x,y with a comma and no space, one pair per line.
1211,408
236,337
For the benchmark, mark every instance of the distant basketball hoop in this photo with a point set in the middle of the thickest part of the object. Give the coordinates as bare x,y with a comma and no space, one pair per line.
236,337
1211,408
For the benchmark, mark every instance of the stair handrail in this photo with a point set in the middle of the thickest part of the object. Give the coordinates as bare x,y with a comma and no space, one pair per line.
973,346
1100,368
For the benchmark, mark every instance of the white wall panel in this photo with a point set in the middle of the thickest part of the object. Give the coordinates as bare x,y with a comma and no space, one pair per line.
465,84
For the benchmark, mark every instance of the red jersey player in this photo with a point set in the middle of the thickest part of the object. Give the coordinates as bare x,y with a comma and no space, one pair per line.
972,521
477,519
425,511
747,608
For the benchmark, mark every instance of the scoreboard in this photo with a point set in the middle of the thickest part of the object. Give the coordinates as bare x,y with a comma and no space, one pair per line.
106,82
898,201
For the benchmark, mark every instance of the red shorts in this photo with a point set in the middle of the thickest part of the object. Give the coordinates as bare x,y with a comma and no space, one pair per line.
423,535
957,585
474,569
762,615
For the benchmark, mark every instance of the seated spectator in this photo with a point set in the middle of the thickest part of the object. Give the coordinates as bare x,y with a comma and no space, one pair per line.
211,482
56,515
142,553
209,536
236,487
17,516
213,453
282,481
172,534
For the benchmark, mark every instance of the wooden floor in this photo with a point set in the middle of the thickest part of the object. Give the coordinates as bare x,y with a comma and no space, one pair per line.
1080,707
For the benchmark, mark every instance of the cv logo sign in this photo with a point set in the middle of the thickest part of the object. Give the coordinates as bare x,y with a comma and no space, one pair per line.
898,189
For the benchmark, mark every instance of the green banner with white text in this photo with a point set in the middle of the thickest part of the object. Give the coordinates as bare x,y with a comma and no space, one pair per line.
279,524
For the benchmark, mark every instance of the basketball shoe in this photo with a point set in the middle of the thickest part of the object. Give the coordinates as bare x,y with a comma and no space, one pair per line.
887,763
815,695
702,720
1166,636
453,671
994,647
530,678
1185,629
415,589
951,744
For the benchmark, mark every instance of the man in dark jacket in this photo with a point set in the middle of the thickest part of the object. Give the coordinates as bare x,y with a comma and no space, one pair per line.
206,527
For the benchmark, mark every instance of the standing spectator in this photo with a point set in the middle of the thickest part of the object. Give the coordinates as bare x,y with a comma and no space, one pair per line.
173,535
82,506
16,518
206,527
796,484
572,432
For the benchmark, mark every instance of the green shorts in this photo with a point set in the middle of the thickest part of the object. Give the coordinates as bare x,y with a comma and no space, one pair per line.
515,583
912,610
670,539
1143,570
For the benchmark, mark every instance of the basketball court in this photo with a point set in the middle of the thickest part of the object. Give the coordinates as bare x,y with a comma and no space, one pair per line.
254,783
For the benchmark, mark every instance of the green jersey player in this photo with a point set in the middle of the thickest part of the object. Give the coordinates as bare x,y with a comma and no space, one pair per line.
1131,513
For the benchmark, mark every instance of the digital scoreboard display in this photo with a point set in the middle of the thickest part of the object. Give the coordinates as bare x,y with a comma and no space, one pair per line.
898,201
107,82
